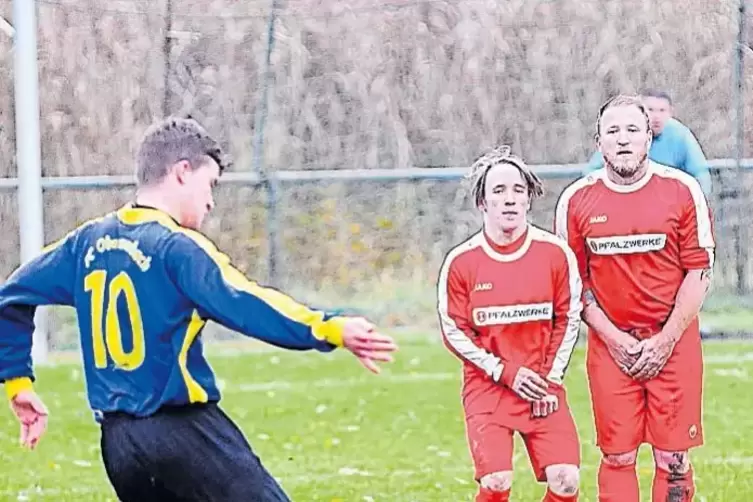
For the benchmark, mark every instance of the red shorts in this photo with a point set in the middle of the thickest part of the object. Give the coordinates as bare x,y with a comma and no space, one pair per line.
665,411
549,440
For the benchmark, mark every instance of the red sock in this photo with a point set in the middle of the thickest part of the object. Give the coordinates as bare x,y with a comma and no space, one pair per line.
487,495
618,483
672,487
553,497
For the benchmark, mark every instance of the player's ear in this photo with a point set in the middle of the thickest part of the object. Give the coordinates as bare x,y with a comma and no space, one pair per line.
481,204
181,170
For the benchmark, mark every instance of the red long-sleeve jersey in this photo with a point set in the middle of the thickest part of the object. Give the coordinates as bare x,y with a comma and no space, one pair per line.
502,307
634,244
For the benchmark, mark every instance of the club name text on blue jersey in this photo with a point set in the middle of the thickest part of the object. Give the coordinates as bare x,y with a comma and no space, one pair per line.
143,289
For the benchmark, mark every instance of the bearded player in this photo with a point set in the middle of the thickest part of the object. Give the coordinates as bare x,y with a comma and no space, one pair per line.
509,302
643,237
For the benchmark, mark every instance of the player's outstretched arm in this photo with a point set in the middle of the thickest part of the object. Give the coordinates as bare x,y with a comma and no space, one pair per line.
222,293
46,280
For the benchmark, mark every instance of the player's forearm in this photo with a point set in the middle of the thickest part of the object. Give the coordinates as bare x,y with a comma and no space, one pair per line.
688,302
459,343
269,316
16,333
596,319
227,296
563,340
42,281
280,321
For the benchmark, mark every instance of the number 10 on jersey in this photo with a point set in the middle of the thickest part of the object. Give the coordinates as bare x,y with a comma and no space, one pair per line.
107,337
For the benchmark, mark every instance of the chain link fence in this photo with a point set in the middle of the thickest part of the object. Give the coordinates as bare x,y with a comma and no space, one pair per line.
305,85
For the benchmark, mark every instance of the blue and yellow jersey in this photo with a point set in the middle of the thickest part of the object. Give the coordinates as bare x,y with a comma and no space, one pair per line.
143,288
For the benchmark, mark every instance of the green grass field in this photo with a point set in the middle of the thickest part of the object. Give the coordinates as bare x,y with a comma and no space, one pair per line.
330,431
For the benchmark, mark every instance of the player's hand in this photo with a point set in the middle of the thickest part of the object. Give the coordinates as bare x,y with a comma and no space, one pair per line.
369,346
545,406
32,414
529,385
654,354
625,350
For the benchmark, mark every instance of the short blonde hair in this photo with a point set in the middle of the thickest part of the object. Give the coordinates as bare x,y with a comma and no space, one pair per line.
622,100
499,156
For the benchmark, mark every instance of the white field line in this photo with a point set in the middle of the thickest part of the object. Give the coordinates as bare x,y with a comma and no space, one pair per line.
736,373
731,358
344,382
720,359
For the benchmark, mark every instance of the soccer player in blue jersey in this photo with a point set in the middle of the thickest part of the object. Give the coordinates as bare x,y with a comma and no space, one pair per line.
144,282
673,143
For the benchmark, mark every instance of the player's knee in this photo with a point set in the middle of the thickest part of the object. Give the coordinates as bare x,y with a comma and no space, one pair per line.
674,462
563,479
621,459
497,481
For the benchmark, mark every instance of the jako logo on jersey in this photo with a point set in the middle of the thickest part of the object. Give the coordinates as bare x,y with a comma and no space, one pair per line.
602,218
483,286
488,316
627,244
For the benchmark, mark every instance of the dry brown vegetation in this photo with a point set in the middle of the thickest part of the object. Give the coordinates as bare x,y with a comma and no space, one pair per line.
363,85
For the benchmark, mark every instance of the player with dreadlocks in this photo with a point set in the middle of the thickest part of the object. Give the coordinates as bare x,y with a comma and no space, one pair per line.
509,304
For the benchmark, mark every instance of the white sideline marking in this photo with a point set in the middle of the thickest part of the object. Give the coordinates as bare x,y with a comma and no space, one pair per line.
731,358
737,373
726,461
351,472
348,382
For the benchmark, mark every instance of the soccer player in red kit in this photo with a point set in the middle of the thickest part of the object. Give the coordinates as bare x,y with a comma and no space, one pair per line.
643,237
509,304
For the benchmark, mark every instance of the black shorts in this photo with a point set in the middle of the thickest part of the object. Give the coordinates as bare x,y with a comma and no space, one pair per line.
184,454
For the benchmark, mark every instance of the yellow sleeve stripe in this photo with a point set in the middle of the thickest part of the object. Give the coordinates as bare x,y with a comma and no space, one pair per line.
14,386
56,244
330,330
196,393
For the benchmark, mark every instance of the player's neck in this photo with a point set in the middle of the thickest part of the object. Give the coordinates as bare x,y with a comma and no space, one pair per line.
503,237
620,180
154,198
